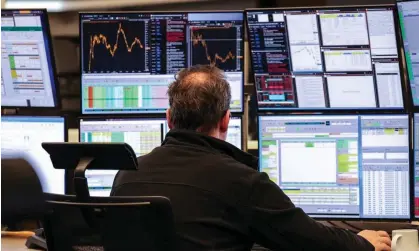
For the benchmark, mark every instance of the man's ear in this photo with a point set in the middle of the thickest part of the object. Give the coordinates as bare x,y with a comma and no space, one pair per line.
169,123
225,121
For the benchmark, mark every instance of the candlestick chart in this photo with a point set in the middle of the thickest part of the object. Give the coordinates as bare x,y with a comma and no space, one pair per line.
114,47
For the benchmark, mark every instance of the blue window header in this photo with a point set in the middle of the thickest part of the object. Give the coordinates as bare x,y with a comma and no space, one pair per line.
30,119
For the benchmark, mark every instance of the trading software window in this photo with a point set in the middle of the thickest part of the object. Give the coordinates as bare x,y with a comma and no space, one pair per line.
339,166
142,135
27,77
325,58
128,60
22,137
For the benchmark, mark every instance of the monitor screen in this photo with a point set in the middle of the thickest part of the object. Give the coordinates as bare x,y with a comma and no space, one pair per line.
143,135
27,63
129,59
21,137
409,22
235,133
325,58
340,166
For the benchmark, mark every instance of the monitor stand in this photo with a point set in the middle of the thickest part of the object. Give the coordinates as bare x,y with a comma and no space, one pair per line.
37,241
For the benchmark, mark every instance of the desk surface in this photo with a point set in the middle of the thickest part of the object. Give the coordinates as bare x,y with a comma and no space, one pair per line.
13,244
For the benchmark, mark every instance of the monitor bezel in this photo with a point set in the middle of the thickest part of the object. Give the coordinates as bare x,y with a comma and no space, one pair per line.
233,116
334,110
403,49
55,83
157,12
411,165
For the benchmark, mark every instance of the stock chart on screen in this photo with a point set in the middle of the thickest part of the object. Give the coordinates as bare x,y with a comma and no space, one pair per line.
129,59
340,166
143,135
326,58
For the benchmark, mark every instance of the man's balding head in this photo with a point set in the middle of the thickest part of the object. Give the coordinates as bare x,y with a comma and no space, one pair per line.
199,99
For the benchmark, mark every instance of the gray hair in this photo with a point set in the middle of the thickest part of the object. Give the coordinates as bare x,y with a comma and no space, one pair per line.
198,98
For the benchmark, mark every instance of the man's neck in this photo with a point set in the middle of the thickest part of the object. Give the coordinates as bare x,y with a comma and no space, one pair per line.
217,134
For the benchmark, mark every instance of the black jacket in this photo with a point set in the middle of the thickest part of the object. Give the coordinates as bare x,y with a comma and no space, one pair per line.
221,202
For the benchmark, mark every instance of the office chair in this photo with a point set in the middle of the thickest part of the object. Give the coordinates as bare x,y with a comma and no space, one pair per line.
22,197
116,223
21,192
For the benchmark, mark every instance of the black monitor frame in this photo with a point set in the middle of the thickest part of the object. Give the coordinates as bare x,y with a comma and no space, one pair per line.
55,83
241,129
335,110
159,13
411,164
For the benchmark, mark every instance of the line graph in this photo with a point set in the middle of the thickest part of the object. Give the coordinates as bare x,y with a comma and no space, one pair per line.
114,46
215,46
306,58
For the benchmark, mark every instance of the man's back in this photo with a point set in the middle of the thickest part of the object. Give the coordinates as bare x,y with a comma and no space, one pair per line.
221,202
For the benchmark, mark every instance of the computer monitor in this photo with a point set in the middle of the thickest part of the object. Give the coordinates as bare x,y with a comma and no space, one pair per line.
235,132
143,135
28,76
129,59
409,22
22,136
340,166
326,58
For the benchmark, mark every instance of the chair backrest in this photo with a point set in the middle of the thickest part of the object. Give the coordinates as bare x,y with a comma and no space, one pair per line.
22,197
116,223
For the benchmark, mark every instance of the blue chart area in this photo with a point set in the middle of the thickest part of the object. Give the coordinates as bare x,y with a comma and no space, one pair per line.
306,58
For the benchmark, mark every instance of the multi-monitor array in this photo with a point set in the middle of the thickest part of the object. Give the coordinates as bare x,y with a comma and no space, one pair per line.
355,166
128,59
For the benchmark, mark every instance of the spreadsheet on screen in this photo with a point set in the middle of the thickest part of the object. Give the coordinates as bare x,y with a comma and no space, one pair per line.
22,136
342,166
325,58
143,135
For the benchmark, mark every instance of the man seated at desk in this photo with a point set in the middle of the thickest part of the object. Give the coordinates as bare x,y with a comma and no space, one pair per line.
219,199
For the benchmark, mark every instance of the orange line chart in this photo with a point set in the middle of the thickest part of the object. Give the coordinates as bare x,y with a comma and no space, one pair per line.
221,51
101,39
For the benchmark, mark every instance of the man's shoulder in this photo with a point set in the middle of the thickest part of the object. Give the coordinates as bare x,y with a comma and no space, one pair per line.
205,158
